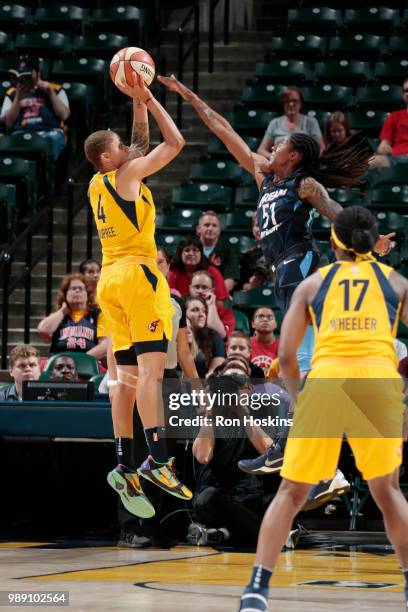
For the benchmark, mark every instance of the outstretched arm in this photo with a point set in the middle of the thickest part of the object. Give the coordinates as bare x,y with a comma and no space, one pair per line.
216,123
312,191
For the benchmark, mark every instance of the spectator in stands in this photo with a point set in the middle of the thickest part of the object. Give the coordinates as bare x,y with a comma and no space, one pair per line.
64,368
24,364
220,252
220,319
34,105
337,129
239,343
163,263
393,147
189,258
76,323
264,345
229,505
211,347
91,269
290,122
254,270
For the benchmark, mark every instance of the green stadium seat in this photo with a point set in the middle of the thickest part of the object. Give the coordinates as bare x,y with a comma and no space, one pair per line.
168,241
328,96
122,19
14,17
87,365
381,97
67,17
31,146
391,222
6,42
344,71
81,120
394,70
324,247
100,44
321,227
204,196
241,322
224,171
241,242
368,47
254,298
377,19
88,70
216,148
398,45
307,46
283,71
321,116
250,120
7,213
21,173
265,95
388,197
346,197
44,43
239,221
246,197
97,379
370,121
179,220
317,19
395,175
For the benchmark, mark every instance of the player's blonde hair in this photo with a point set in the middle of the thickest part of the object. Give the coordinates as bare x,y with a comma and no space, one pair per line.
96,144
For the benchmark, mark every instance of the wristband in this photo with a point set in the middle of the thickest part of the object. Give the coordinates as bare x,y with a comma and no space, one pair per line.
112,383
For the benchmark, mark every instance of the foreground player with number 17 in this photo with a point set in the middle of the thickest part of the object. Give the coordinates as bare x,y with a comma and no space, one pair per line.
132,293
353,388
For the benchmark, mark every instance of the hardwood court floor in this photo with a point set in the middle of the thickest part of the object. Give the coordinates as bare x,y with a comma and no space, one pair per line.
188,579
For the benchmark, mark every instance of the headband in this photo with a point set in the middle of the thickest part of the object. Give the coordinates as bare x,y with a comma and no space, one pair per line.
341,245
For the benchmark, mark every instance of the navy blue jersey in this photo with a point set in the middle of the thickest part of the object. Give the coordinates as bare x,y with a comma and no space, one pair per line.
284,220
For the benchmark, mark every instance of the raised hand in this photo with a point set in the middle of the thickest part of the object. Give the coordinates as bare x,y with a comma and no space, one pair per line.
138,90
174,84
384,244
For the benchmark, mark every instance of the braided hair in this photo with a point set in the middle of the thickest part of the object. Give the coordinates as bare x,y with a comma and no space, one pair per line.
340,165
357,228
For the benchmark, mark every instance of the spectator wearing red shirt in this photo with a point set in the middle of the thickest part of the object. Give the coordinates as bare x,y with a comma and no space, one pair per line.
189,258
264,345
393,147
219,318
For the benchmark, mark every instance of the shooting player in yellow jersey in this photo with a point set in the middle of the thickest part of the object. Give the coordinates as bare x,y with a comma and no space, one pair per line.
132,292
353,388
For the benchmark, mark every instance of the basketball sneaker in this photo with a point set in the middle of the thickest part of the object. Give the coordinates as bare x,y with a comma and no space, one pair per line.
325,490
127,486
165,477
133,540
254,601
269,463
200,535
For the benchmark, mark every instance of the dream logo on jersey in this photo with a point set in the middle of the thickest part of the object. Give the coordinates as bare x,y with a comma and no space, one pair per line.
153,325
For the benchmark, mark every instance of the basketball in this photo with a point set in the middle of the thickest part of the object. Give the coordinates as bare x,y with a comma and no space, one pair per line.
132,59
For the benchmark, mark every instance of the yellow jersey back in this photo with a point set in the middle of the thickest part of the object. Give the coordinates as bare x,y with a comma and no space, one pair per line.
125,227
355,311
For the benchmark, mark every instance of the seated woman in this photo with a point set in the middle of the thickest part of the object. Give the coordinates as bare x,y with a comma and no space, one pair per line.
77,322
211,347
337,129
189,258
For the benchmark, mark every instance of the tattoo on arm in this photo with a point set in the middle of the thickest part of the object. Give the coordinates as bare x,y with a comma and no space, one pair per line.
140,138
316,194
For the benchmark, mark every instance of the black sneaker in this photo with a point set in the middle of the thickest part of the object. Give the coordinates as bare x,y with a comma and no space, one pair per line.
133,540
165,477
269,463
200,535
325,490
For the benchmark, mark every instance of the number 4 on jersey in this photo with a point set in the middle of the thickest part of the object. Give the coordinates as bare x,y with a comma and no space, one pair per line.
101,213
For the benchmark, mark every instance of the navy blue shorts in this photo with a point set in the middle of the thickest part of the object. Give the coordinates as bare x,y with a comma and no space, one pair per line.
291,271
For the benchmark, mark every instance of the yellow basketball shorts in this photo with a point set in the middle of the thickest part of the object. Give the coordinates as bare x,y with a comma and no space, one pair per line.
363,403
135,299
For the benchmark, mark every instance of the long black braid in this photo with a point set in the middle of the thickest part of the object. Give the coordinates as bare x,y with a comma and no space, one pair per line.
340,165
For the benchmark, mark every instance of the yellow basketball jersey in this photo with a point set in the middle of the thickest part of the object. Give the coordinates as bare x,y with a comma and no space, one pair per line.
125,227
355,312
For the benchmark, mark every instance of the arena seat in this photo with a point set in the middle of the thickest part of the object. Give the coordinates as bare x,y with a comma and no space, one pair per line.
241,322
179,220
344,71
307,46
250,120
14,17
368,120
321,227
84,69
203,196
254,298
100,44
317,19
377,19
388,197
238,221
67,17
223,171
168,241
395,175
217,149
21,173
246,197
7,212
6,42
398,45
87,365
393,70
241,242
320,115
122,19
367,47
327,96
44,43
81,120
346,197
390,221
265,95
284,71
380,96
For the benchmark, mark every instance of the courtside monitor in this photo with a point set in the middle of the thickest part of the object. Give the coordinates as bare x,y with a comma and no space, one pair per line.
57,391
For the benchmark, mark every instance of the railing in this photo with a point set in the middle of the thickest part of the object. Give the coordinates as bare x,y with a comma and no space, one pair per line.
211,30
183,55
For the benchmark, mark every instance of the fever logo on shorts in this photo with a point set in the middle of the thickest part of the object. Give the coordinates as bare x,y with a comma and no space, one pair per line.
152,326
